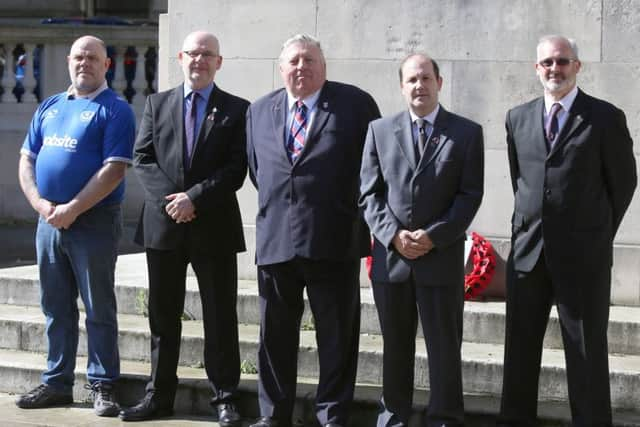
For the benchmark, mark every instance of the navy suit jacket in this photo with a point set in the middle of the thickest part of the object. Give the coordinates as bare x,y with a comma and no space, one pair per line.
310,208
218,168
440,194
574,197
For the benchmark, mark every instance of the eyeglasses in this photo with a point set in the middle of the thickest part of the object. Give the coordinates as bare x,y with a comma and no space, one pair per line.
194,54
560,62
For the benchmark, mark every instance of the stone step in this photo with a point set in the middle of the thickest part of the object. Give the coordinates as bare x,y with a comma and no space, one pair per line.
483,321
482,363
20,371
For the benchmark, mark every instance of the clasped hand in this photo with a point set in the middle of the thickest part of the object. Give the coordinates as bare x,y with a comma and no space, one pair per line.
412,244
180,207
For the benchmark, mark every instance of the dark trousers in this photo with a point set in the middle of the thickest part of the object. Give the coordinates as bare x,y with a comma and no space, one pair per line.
441,310
218,285
334,297
583,309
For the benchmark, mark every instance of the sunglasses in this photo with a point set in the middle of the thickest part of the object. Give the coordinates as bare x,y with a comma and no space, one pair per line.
560,62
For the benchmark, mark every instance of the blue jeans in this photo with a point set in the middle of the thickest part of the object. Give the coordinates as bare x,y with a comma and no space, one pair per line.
80,260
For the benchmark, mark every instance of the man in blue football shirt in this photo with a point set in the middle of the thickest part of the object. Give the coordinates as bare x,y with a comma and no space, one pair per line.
71,170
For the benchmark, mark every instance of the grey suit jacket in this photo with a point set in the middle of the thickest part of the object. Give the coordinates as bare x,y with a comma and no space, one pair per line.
440,194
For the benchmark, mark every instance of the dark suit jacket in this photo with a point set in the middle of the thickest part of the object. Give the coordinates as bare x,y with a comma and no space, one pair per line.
310,208
574,197
440,194
218,168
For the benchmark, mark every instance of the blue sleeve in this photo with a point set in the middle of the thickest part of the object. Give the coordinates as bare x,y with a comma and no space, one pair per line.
119,133
33,141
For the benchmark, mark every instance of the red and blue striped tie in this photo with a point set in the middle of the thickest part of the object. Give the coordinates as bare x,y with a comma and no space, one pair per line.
298,132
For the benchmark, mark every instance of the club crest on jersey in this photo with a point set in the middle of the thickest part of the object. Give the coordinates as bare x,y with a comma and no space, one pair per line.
86,116
50,114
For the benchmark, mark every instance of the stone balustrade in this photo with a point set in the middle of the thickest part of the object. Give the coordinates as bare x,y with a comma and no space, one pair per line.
134,50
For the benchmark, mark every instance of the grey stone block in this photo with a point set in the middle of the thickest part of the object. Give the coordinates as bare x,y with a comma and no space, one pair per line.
485,90
617,83
494,216
265,26
247,78
462,30
620,30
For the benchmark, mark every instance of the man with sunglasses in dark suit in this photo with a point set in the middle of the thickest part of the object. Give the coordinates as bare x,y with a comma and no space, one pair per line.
573,174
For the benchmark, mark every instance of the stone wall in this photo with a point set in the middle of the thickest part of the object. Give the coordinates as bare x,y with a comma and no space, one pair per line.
486,50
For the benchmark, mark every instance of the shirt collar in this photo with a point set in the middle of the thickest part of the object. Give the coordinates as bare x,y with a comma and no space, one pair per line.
71,93
310,101
431,117
566,101
205,92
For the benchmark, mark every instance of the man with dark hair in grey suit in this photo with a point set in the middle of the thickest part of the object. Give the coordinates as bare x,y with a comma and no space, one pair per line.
421,185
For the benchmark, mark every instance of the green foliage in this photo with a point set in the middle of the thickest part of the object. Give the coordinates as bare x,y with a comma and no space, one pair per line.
248,367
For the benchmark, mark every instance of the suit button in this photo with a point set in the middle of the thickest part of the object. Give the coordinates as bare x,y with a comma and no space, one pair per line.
547,192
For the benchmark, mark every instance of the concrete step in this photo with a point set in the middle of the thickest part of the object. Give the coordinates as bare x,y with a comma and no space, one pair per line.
20,371
483,321
24,329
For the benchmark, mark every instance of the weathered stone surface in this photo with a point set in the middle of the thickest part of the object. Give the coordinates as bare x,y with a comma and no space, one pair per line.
621,30
494,216
485,91
246,29
619,84
625,276
463,30
247,78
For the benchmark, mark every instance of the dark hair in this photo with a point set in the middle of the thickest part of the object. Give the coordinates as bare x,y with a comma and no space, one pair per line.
436,69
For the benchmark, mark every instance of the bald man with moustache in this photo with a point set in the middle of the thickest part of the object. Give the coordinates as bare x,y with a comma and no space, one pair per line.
190,159
71,170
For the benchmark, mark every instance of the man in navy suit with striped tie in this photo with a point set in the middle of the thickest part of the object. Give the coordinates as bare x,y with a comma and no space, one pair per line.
304,145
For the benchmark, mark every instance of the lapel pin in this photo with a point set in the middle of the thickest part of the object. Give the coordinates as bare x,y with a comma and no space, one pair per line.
212,115
225,120
435,140
325,105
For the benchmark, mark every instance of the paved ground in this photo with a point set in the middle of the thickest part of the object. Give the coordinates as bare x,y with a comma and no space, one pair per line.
81,415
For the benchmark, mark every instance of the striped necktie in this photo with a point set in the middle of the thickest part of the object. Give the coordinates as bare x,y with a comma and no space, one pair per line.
298,132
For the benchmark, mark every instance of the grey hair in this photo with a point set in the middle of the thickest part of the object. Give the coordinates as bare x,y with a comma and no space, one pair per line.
554,37
304,39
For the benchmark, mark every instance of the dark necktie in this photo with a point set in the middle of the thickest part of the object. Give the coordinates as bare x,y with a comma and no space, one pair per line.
551,126
190,125
298,133
422,135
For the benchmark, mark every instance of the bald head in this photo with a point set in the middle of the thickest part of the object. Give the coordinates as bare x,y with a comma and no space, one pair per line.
200,59
89,41
88,64
201,38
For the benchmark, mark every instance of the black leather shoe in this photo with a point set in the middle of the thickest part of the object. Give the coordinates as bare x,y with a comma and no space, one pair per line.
228,415
44,396
148,408
266,422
